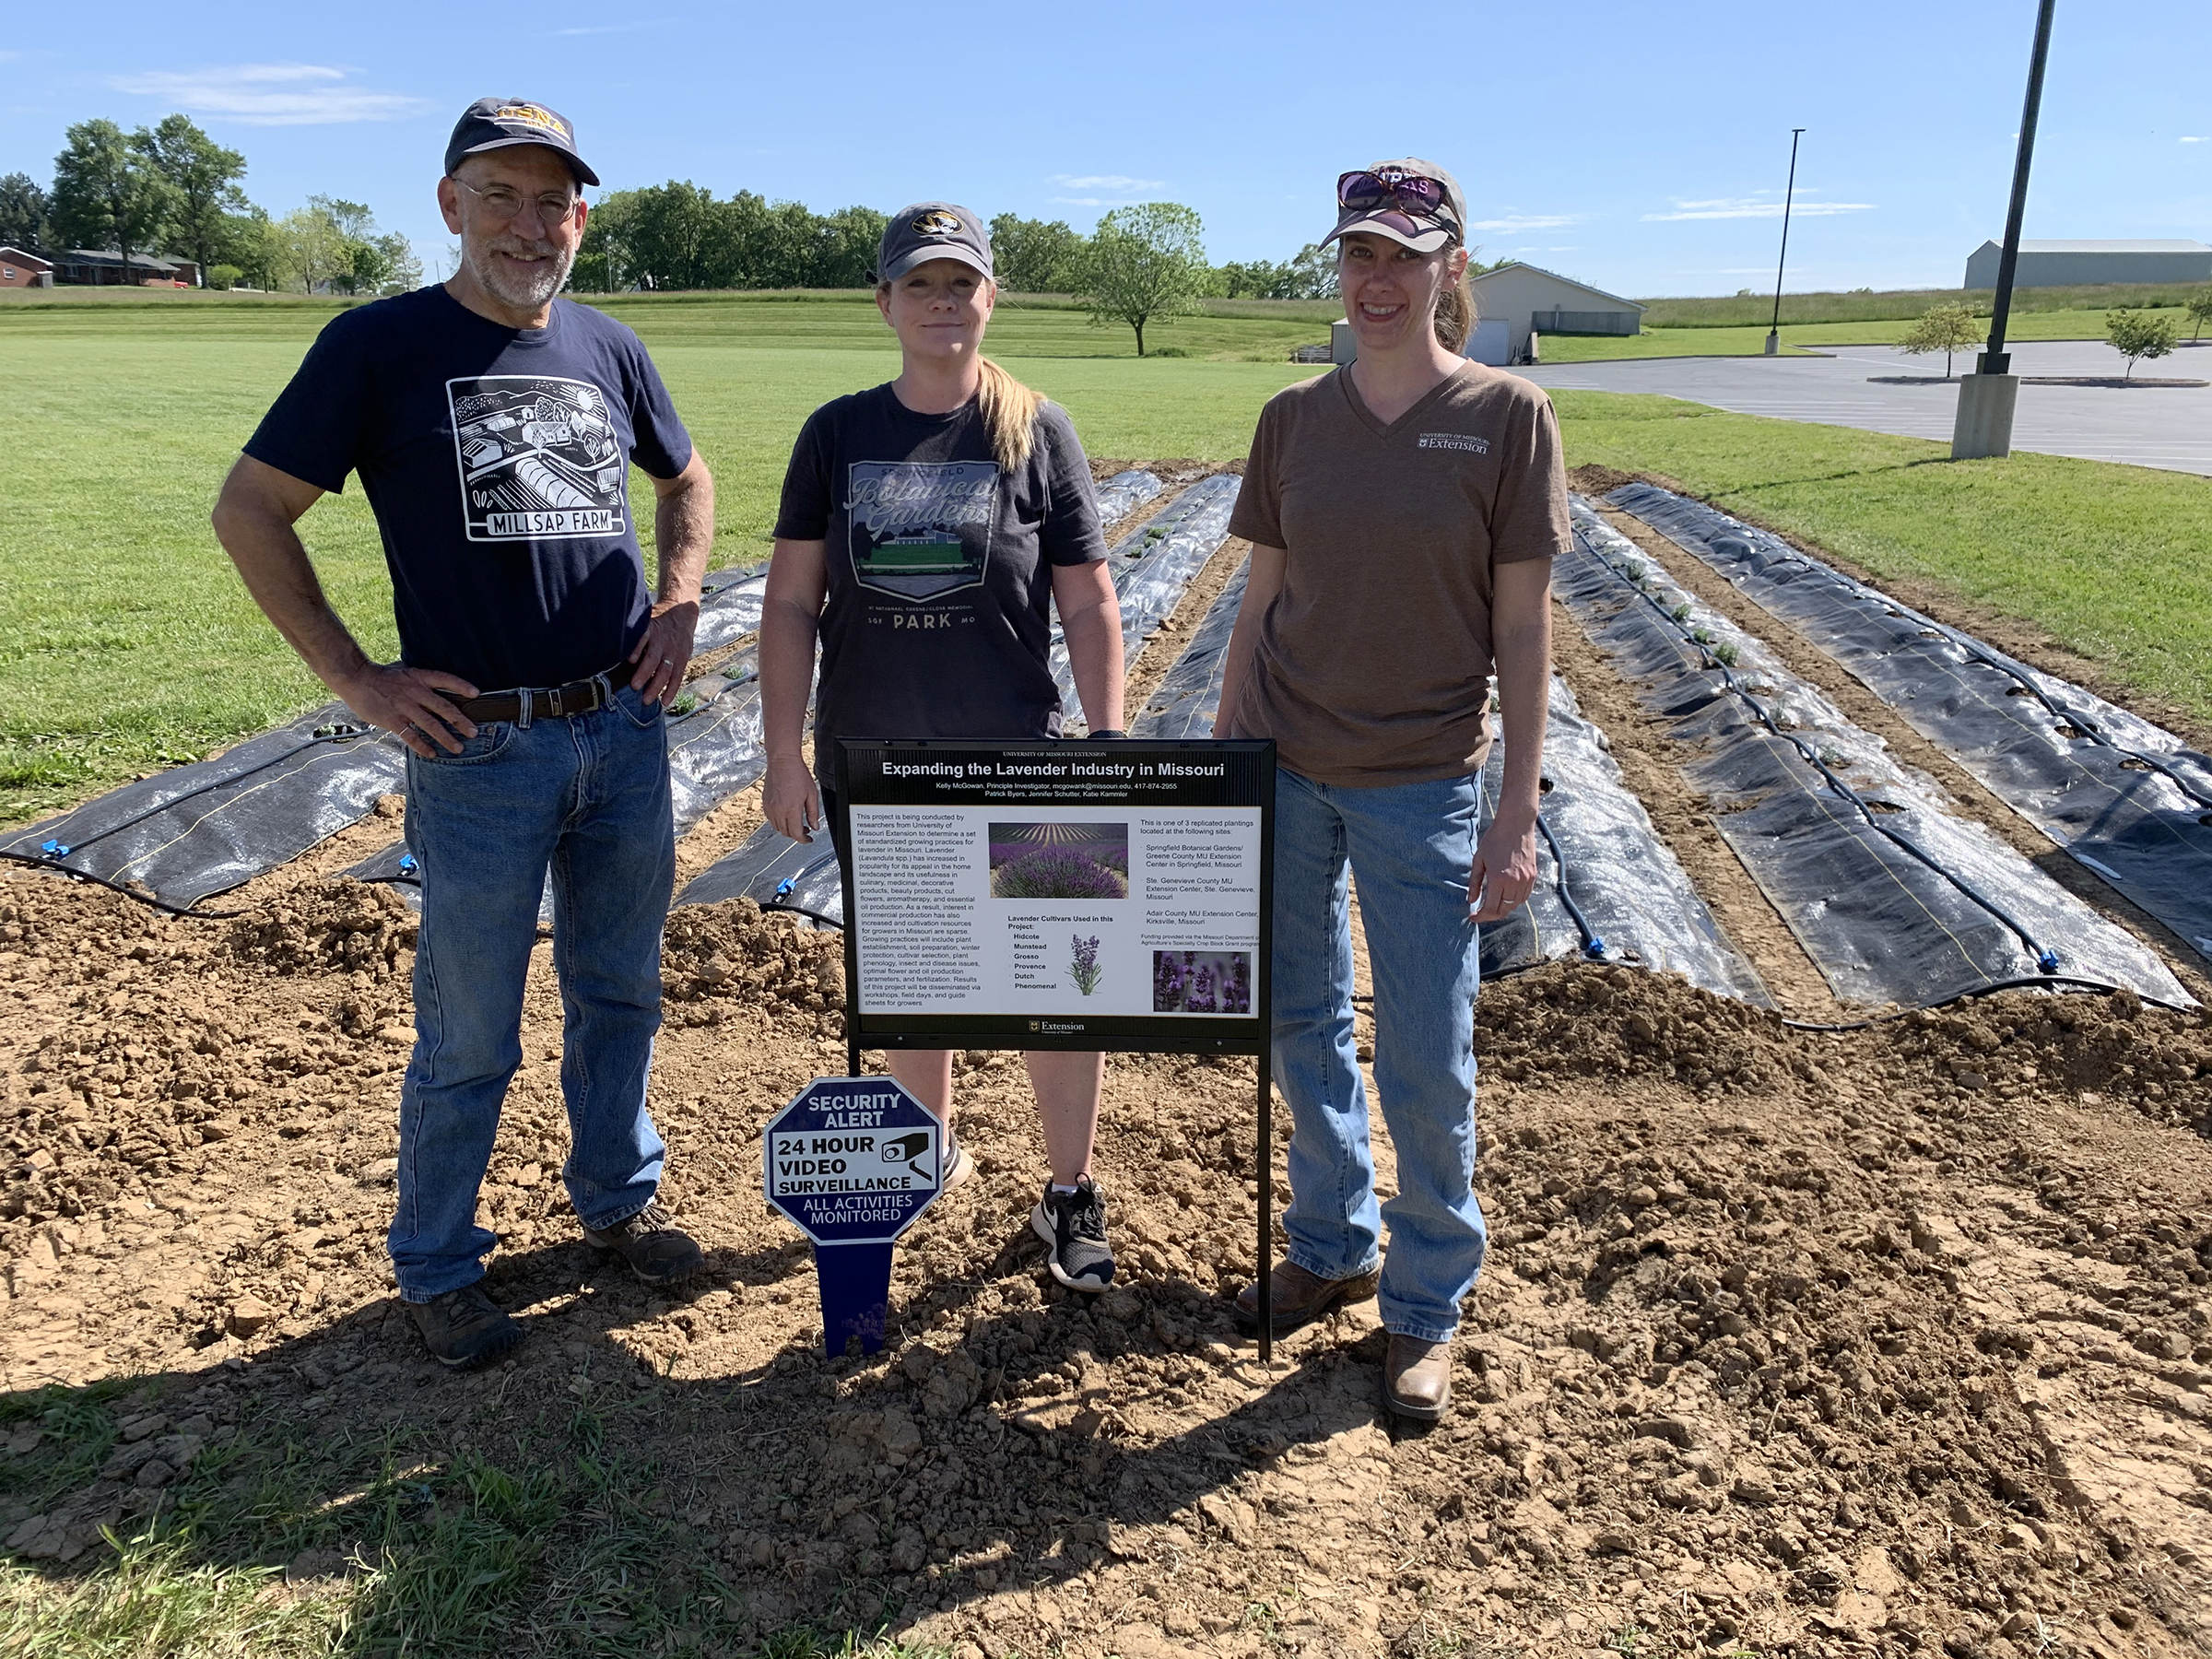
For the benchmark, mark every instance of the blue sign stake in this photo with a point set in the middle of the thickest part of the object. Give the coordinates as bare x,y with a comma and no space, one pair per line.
853,1161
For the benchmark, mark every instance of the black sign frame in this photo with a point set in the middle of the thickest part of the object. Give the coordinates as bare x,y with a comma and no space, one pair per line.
1236,773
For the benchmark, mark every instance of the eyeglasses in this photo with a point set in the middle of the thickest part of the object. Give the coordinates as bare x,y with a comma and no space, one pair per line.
505,204
1409,192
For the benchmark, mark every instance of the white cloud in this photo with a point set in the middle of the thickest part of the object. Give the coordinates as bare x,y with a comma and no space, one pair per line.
1120,184
1513,224
1090,201
270,94
1744,207
2197,140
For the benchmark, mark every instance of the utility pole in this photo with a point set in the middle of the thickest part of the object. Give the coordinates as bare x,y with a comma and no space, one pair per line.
1789,196
1987,397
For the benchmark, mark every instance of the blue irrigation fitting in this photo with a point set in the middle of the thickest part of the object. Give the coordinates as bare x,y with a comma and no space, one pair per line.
783,886
408,866
2047,962
1595,948
53,849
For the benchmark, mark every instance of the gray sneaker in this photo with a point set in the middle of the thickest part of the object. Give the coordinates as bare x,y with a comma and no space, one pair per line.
657,1250
1074,1224
466,1328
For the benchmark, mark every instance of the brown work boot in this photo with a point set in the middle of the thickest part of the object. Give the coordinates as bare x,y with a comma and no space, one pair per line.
657,1250
1417,1378
1300,1298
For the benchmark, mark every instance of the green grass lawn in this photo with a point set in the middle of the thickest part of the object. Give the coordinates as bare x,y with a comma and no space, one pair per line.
2108,559
1751,340
1860,305
127,642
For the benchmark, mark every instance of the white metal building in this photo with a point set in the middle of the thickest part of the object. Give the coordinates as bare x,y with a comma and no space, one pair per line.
2065,264
1517,298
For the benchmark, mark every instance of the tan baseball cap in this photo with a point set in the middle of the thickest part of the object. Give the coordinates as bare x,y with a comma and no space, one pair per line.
1408,200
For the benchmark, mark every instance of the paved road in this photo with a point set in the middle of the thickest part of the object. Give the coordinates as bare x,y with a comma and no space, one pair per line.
2164,426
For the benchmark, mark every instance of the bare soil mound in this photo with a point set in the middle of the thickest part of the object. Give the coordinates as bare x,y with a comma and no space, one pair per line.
1892,1340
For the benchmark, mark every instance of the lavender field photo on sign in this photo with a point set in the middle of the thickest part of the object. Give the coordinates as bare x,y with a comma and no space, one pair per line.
1059,861
1201,982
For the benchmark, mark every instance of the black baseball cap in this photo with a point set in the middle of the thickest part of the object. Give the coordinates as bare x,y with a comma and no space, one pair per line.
928,230
1423,232
492,123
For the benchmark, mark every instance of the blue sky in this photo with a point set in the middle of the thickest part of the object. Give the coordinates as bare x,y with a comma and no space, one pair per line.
1639,147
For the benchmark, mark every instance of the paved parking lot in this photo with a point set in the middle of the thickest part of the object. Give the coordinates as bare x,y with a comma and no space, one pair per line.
2165,427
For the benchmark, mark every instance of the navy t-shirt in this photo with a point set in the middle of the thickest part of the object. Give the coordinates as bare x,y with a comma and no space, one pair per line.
938,622
497,461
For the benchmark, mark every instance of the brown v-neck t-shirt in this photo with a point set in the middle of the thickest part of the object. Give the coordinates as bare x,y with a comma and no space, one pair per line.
1373,663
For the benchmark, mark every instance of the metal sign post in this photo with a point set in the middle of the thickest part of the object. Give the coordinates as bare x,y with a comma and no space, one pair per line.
1064,894
853,1161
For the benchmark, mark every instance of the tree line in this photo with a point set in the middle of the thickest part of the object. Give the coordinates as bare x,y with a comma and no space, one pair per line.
1141,262
169,190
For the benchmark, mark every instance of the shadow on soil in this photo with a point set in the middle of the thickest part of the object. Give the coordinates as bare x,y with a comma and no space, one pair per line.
575,1502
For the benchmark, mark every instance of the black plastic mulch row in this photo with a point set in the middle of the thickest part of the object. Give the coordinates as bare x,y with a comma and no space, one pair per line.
2128,799
1893,897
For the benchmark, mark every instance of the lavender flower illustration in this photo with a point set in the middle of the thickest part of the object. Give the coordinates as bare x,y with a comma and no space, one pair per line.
1085,969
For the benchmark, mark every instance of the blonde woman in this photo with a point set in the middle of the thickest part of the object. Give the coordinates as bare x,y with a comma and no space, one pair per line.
928,527
1404,511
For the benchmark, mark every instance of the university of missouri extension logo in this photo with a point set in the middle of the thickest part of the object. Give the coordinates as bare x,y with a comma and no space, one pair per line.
539,458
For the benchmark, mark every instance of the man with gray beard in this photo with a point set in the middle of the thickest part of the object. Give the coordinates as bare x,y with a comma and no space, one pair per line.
493,426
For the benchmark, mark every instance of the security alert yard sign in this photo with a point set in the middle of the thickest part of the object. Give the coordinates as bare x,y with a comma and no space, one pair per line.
853,1161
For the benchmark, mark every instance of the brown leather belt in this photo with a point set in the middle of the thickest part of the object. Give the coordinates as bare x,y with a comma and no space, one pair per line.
557,702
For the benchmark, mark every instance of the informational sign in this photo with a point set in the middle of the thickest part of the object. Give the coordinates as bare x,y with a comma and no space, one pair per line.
1102,895
1063,895
853,1161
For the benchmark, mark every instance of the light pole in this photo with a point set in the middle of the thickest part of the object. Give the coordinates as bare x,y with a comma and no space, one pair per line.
1774,333
1983,427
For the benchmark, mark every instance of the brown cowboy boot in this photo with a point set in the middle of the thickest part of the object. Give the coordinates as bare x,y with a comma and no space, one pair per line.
1300,1298
1417,1378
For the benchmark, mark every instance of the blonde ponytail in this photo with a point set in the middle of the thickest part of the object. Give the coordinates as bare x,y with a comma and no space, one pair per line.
1455,314
1009,410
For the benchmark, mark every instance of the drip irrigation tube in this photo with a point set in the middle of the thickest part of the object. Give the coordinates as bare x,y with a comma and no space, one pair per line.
1150,567
2127,798
183,835
777,875
1609,889
1894,897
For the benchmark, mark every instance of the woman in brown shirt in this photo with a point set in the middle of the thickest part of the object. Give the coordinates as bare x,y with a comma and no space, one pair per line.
1404,511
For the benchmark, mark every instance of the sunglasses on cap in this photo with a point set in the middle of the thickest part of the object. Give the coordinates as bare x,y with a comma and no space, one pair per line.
1410,192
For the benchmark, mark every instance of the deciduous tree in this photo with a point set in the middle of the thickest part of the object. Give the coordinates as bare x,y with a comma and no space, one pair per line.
1146,263
2138,335
1945,328
23,214
203,178
107,195
1036,256
2199,304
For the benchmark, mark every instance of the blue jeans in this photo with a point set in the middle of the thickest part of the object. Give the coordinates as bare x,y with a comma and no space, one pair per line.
1411,846
586,797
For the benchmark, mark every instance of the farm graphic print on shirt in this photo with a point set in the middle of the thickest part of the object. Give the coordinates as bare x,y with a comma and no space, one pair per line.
539,458
921,528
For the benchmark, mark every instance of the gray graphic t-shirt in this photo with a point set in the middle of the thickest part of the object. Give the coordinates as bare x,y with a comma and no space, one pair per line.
940,615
